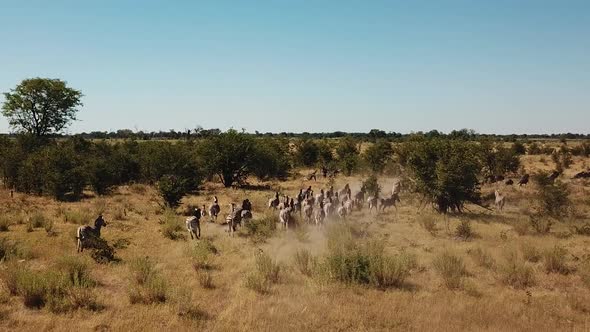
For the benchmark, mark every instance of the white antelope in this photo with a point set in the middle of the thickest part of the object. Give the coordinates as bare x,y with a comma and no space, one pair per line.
500,200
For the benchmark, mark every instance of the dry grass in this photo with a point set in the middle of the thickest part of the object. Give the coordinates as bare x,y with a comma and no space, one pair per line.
299,292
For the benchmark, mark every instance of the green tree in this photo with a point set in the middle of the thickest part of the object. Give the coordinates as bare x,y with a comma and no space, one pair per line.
377,155
348,154
446,172
230,155
41,106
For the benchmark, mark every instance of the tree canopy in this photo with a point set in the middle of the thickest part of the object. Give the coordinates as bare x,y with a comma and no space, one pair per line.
41,106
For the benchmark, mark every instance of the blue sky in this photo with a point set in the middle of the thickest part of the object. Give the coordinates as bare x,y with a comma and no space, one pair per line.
493,66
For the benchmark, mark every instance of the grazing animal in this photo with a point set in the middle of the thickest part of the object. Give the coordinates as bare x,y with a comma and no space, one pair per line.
193,224
320,215
524,180
349,204
342,211
387,202
86,233
308,192
500,200
372,201
274,202
554,176
214,209
320,197
284,204
308,212
582,175
312,176
397,187
328,208
509,182
234,218
345,191
285,217
359,198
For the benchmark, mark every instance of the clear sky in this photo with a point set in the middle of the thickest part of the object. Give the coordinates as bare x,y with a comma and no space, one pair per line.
497,66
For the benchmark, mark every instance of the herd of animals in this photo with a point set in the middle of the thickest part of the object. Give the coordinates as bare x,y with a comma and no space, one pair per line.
313,208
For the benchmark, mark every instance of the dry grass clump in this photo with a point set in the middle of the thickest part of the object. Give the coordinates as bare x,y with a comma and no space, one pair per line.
451,268
266,274
260,229
5,223
78,217
516,272
171,225
355,261
483,258
148,286
186,308
304,262
554,260
202,254
38,219
521,227
10,249
428,222
541,224
66,288
464,230
530,253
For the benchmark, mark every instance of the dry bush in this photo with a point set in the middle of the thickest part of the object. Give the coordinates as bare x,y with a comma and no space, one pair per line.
186,308
76,271
483,258
541,224
78,217
37,219
100,206
428,222
202,253
10,249
119,213
464,230
521,227
584,272
266,274
261,229
451,268
5,223
49,227
516,272
582,230
171,226
148,286
304,262
139,189
206,279
530,253
554,260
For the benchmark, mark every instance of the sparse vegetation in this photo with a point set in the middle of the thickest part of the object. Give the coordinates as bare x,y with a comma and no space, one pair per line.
147,286
451,268
428,222
516,272
554,260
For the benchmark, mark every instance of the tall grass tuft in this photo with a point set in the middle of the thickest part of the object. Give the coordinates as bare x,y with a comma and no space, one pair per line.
516,272
451,268
266,274
148,286
171,225
554,260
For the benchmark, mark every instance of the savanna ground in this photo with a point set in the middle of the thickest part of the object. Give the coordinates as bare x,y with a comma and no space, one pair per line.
484,299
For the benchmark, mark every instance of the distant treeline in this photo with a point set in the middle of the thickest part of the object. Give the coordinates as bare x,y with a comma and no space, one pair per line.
370,136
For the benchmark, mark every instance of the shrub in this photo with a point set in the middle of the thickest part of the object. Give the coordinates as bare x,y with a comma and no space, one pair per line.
541,224
49,227
521,227
582,230
78,217
553,197
555,260
206,279
304,262
38,219
201,254
464,230
4,224
377,155
389,271
530,253
451,268
186,308
446,172
266,274
348,155
516,272
150,287
172,189
171,226
101,251
76,271
8,249
371,186
483,258
428,222
263,228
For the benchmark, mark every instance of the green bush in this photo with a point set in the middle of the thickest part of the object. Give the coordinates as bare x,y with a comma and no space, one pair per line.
446,172
348,155
377,155
553,197
202,253
451,268
262,228
172,189
371,186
